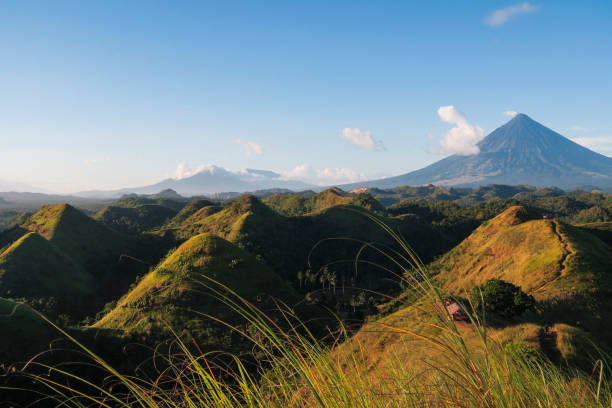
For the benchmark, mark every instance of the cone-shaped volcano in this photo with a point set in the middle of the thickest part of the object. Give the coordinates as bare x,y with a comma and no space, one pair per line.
520,152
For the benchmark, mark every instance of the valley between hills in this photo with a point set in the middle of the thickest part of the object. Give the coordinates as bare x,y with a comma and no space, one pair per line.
144,277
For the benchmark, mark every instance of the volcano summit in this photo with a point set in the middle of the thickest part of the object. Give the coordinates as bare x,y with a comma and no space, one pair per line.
520,152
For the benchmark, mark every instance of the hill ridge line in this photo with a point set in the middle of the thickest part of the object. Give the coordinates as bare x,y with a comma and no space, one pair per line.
567,251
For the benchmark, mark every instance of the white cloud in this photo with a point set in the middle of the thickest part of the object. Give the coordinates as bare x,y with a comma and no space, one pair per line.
502,16
461,139
183,171
324,177
301,172
511,113
321,177
98,160
362,139
250,147
339,176
600,144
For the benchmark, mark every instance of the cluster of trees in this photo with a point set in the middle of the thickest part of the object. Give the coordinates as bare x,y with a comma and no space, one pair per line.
502,298
10,218
575,208
326,278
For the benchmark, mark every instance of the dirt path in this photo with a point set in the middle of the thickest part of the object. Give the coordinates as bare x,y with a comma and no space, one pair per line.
566,248
567,251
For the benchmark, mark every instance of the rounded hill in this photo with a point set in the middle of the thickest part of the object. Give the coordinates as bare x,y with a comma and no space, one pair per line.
545,257
33,268
178,291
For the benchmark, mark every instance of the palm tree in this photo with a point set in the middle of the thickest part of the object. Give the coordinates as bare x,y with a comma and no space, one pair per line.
332,278
313,277
322,279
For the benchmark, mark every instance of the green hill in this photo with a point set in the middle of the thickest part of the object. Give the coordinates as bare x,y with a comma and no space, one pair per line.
24,333
33,268
138,201
544,256
76,234
227,222
133,215
69,255
169,295
602,230
189,210
291,204
566,269
286,243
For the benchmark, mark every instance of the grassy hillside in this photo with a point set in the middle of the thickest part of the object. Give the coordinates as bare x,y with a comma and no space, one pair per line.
76,234
33,268
189,210
402,357
24,333
11,218
543,256
138,201
602,230
566,269
168,296
287,241
316,253
133,215
290,204
416,341
68,255
228,222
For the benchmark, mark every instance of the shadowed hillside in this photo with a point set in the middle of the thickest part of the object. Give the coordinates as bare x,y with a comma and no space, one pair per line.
292,204
133,215
287,242
189,210
34,268
24,333
602,230
76,234
66,255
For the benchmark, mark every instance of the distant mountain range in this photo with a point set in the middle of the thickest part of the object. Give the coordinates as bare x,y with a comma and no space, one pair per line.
520,152
209,181
19,187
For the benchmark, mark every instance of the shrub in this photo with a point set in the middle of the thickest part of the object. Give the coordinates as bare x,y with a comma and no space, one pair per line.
502,298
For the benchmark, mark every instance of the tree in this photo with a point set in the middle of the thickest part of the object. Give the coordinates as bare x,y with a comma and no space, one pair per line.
357,301
300,276
502,298
312,277
324,276
333,280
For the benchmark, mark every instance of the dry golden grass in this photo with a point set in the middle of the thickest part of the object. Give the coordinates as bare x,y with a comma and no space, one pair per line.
539,255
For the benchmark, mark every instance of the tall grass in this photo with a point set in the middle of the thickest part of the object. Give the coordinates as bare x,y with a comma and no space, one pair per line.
297,370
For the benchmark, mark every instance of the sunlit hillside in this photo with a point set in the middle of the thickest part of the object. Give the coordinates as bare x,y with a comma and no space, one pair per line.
175,296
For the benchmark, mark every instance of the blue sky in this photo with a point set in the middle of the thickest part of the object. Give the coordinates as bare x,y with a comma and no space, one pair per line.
115,94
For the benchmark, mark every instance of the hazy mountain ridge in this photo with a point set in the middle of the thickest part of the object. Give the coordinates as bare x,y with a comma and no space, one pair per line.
208,181
520,152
